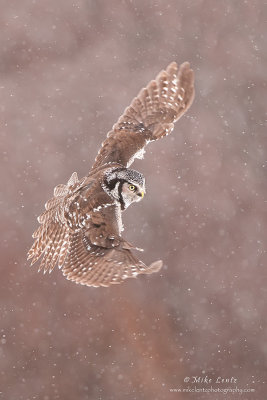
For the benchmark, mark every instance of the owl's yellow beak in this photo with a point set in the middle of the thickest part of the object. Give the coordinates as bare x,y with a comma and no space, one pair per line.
142,194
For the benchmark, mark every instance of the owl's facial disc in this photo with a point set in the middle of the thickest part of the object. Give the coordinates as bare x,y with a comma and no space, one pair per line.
125,185
130,193
133,191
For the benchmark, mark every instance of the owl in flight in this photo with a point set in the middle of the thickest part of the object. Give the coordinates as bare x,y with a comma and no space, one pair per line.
81,226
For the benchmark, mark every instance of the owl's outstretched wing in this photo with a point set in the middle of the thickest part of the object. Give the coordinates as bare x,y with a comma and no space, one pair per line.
150,116
84,240
52,237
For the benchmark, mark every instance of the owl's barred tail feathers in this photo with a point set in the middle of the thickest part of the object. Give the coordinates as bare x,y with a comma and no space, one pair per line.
102,266
106,275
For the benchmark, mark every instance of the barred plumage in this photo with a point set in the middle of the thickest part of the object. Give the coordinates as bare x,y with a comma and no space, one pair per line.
81,226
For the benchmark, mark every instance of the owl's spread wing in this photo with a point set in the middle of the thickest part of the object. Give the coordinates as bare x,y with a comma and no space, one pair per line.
84,240
150,116
52,237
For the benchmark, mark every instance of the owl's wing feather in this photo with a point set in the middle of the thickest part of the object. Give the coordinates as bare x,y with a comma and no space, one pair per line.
150,116
87,244
51,238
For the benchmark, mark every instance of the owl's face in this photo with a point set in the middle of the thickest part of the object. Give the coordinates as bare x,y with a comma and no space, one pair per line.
125,185
132,192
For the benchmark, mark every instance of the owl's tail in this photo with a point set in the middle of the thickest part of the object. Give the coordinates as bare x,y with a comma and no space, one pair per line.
97,266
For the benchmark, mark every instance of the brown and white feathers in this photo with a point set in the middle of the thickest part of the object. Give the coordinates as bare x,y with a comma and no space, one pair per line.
81,226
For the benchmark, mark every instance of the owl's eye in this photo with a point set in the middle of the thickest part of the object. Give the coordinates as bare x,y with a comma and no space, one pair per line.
132,187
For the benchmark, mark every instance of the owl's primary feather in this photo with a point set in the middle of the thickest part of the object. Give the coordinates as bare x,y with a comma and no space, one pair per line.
150,116
81,226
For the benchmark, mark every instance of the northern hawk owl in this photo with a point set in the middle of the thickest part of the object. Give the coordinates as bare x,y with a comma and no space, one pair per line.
81,226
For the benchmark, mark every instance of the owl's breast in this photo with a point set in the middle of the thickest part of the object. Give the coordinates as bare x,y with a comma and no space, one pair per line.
118,218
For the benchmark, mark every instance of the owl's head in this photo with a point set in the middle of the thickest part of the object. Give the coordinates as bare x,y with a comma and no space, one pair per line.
125,185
